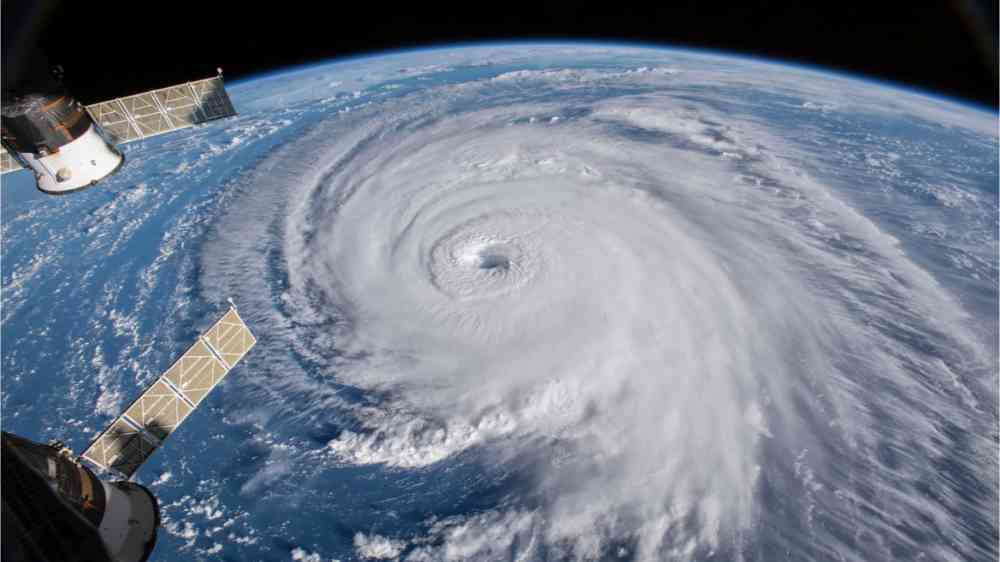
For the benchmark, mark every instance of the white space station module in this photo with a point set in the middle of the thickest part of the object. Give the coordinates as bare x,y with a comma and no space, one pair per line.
70,146
56,508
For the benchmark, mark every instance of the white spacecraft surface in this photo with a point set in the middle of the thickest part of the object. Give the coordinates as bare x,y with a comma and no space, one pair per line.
70,146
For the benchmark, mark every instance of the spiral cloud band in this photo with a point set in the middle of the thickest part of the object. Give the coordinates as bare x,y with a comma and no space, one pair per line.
647,313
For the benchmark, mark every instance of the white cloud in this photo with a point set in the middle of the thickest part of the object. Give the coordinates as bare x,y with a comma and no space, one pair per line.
163,478
377,547
300,554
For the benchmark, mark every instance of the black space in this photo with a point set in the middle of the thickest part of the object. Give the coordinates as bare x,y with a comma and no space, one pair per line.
109,48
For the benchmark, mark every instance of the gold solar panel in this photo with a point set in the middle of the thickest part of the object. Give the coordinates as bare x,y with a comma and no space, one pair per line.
159,410
112,116
7,162
230,338
161,111
121,448
162,407
196,372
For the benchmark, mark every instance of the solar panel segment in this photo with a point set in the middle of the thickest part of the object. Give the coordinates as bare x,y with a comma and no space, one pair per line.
134,435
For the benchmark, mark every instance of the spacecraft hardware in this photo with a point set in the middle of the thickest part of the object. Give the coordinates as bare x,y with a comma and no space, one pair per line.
56,508
69,146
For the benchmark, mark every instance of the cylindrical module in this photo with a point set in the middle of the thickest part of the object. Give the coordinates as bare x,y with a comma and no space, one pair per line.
129,522
75,504
54,136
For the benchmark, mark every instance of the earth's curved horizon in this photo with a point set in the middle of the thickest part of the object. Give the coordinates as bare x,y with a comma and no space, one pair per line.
540,301
817,68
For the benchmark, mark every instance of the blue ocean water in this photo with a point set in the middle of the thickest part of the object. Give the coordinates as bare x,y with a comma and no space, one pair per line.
751,311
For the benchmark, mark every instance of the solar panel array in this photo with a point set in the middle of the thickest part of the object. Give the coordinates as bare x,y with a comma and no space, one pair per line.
153,113
7,162
136,434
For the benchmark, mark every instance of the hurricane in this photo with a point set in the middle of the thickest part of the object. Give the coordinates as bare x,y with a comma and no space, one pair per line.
619,315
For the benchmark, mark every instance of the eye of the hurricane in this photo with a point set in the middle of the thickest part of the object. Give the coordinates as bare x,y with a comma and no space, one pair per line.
491,259
474,265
